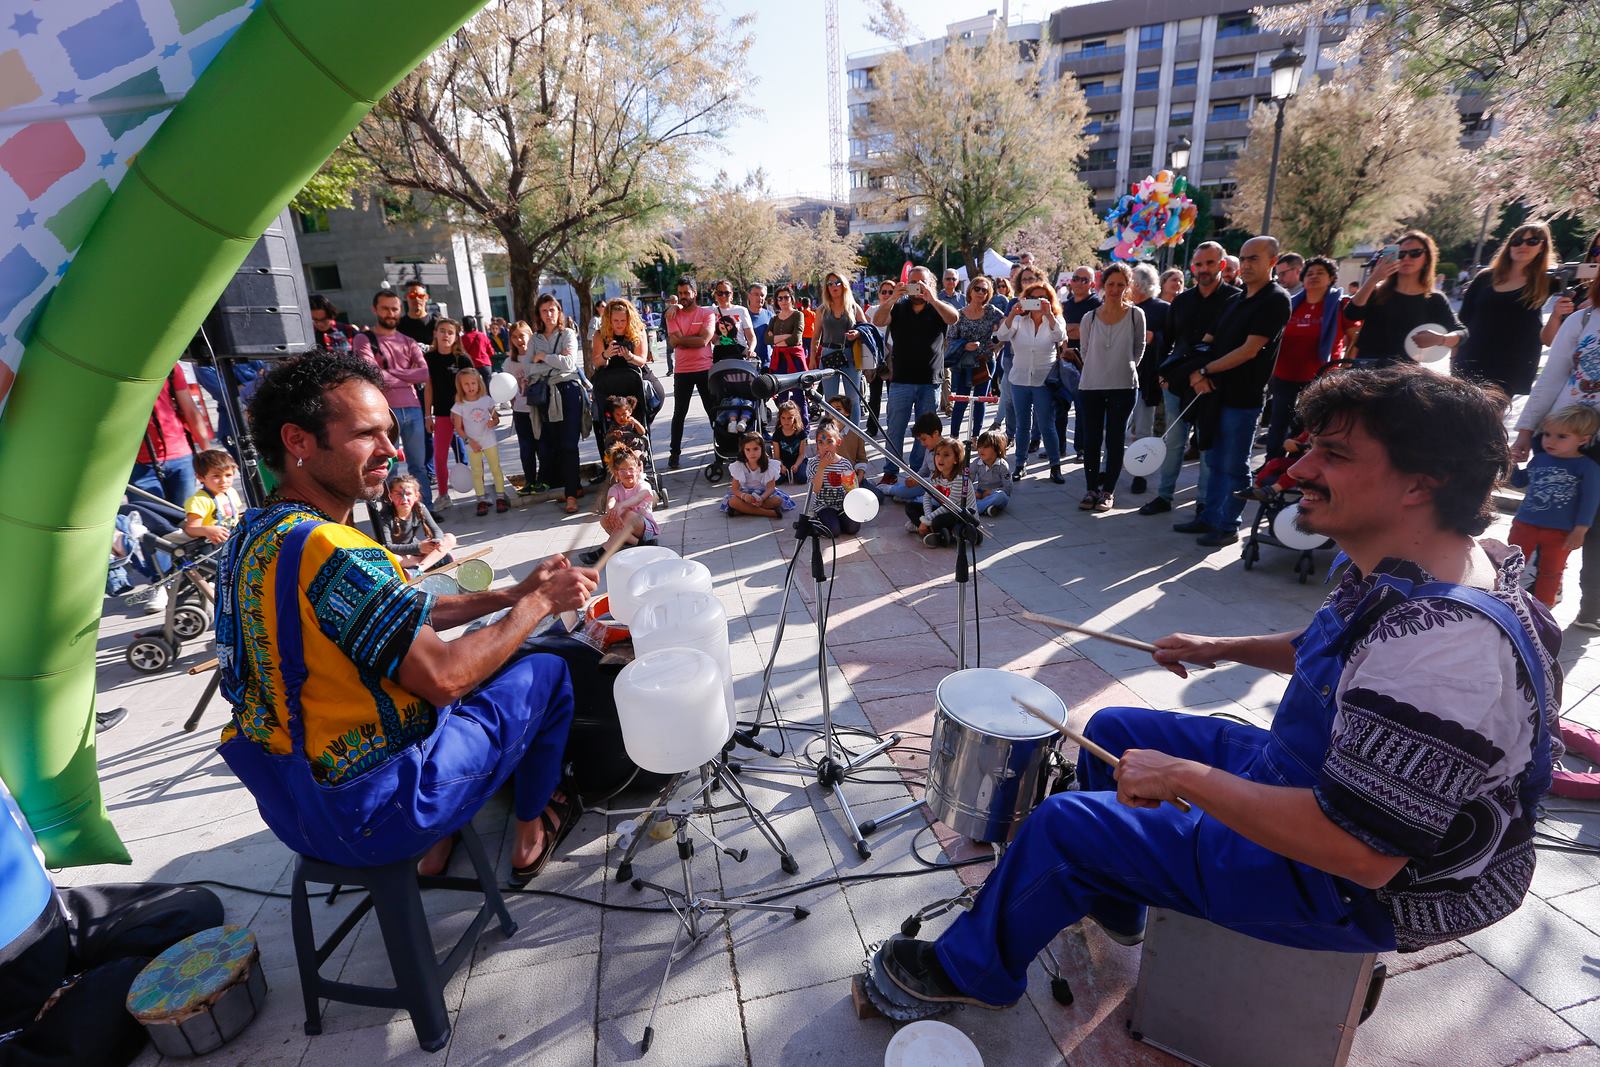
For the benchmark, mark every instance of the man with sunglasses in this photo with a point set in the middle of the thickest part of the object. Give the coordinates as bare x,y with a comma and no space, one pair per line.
418,322
1081,300
916,319
952,294
364,736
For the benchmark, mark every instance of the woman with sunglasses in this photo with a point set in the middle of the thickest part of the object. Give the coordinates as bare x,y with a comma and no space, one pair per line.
836,339
1503,311
877,373
969,352
1397,300
1564,304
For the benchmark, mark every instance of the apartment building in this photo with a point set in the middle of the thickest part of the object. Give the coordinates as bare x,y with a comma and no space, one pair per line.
1153,71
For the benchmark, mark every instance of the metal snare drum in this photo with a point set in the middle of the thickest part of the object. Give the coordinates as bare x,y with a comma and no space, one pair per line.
988,758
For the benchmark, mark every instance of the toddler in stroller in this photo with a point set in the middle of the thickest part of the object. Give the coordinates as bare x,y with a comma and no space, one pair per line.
618,426
735,411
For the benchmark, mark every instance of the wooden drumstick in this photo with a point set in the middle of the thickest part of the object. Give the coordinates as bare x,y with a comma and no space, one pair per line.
1084,743
1115,639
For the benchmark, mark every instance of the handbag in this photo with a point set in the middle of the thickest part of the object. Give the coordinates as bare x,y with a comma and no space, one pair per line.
537,393
835,357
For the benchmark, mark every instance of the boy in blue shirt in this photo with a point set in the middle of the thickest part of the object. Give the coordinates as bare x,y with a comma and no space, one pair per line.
1563,492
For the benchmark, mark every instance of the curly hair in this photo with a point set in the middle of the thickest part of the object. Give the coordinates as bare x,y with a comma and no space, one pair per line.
295,392
1443,428
635,323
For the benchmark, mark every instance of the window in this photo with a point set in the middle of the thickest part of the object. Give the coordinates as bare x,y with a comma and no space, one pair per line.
1100,159
1223,151
861,79
1475,122
1101,122
1185,74
1220,190
859,112
1189,29
315,222
394,210
858,147
1230,110
1181,116
323,276
1096,46
1027,51
1375,10
1341,17
1230,71
1147,78
1100,87
1241,25
1325,58
1150,36
1139,159
1144,118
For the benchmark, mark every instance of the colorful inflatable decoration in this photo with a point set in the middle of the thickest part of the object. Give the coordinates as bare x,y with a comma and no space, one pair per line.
106,292
1154,215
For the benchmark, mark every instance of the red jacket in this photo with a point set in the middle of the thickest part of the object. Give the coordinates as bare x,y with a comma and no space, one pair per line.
476,344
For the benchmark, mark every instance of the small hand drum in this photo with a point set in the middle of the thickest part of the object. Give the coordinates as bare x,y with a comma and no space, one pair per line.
201,993
1144,457
1433,354
1290,535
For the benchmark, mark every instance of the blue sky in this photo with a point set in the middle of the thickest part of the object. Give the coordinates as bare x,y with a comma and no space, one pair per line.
789,138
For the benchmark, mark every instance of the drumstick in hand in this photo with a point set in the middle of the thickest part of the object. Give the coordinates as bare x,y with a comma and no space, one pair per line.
452,565
1115,639
1084,743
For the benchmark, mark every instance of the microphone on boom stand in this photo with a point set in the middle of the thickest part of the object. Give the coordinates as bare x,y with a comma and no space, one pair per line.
767,386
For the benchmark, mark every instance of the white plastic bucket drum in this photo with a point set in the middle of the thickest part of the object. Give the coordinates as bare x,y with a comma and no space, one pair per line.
622,567
687,619
670,707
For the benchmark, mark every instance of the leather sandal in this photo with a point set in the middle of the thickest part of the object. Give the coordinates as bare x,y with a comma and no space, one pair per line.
568,811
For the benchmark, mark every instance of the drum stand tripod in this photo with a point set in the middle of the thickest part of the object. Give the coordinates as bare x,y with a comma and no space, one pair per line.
692,910
838,761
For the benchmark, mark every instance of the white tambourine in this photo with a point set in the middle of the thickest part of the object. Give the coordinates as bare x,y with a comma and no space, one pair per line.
1145,456
1432,354
1290,535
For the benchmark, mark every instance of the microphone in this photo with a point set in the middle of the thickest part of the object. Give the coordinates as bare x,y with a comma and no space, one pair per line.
767,386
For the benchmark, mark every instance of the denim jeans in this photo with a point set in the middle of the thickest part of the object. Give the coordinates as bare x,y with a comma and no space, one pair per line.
1008,409
905,402
1227,467
961,382
1177,442
411,439
1035,402
997,500
175,484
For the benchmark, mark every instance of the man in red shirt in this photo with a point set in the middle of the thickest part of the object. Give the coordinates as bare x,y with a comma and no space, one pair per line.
165,465
402,367
689,330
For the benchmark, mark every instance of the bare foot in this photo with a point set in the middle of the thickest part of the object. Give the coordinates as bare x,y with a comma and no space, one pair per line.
437,858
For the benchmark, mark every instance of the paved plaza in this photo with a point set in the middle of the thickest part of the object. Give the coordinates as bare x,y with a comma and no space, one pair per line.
574,984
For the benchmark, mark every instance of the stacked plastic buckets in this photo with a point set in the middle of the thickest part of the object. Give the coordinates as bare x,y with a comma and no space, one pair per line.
675,700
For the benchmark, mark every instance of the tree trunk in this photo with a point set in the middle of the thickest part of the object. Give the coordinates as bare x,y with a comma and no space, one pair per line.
583,289
522,276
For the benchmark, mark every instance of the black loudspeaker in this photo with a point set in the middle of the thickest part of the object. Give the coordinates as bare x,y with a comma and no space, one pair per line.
264,312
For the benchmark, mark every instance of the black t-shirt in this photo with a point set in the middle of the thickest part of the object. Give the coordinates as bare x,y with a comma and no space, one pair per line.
419,330
1193,315
918,338
1156,313
1263,315
1073,311
442,373
1385,325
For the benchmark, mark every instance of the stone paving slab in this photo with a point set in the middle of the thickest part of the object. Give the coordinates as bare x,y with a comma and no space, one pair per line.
574,984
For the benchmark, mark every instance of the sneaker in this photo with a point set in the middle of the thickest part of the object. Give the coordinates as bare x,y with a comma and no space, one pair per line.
157,603
1105,501
1138,485
502,505
1193,526
1130,938
1159,506
889,478
441,502
1090,499
913,528
483,507
992,510
937,539
592,556
1218,539
914,967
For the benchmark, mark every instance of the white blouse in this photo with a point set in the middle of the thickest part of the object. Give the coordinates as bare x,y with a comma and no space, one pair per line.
1033,348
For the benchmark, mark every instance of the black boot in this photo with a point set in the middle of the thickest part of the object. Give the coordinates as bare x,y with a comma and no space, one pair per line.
1056,475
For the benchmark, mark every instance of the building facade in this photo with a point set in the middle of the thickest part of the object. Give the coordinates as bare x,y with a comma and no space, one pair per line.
1152,71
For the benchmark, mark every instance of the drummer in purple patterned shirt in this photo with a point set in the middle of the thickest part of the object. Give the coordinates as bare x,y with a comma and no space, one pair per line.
1392,803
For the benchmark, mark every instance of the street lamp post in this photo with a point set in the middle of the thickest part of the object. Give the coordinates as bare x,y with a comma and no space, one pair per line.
1286,68
1178,162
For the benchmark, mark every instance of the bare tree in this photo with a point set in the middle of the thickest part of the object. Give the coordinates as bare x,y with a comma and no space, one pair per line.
974,141
549,124
1358,157
815,250
586,264
1065,237
1537,62
735,232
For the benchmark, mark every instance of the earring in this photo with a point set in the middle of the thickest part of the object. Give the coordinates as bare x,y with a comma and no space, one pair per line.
301,462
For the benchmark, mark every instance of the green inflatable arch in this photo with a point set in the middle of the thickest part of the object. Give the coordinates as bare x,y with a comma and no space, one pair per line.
286,89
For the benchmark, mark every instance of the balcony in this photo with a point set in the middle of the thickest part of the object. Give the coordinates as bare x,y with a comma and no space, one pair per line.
1097,89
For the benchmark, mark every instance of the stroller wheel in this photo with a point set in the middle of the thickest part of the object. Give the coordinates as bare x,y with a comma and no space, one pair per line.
1251,553
151,653
715,471
190,622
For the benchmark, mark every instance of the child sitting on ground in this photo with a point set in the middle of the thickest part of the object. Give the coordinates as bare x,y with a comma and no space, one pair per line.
753,489
789,444
1563,490
929,431
407,530
933,523
991,474
629,497
832,478
851,445
215,508
475,417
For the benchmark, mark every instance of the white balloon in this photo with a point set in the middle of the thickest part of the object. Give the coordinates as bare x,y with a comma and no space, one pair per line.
1432,354
460,479
1290,535
861,504
1145,456
502,387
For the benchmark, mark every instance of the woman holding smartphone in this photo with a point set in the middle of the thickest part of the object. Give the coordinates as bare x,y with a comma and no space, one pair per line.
1397,300
1035,329
1566,303
1503,311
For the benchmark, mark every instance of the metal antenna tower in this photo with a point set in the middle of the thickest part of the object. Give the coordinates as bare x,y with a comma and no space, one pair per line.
836,182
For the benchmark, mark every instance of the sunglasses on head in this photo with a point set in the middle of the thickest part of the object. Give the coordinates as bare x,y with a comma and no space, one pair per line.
1412,253
1530,239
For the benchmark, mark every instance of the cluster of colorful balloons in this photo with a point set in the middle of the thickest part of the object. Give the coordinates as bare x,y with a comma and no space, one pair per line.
1154,215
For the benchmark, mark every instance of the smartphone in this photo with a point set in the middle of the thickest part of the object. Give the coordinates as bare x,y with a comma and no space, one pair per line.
1585,272
1030,303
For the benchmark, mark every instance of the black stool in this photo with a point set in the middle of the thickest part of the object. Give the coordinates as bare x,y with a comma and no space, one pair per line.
394,890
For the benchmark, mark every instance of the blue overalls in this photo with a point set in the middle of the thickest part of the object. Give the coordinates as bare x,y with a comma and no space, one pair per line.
1084,851
514,724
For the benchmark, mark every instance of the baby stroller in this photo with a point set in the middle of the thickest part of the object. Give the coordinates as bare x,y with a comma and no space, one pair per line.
191,593
621,378
1276,490
735,411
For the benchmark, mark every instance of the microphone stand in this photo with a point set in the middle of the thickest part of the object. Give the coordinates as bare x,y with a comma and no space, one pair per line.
837,762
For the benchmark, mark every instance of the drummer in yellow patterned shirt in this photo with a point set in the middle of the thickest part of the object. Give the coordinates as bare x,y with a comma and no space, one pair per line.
363,735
